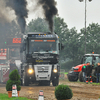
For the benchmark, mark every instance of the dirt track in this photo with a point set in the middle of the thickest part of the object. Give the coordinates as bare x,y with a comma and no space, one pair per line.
81,91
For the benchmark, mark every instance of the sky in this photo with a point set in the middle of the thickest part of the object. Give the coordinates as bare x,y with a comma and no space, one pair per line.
73,13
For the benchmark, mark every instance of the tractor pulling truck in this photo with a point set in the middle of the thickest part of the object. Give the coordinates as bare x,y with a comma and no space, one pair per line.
40,58
76,72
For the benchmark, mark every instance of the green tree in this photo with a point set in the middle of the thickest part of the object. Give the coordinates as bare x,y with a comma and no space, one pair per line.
92,38
37,25
61,28
71,40
72,46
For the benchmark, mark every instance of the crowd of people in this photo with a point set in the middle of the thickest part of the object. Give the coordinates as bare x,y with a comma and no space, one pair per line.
87,72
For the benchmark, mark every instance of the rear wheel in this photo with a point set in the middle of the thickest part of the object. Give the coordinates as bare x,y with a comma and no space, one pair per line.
81,76
55,82
25,80
93,75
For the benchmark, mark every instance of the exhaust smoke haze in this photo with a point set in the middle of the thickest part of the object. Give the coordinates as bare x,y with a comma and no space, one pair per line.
6,14
19,6
18,9
49,7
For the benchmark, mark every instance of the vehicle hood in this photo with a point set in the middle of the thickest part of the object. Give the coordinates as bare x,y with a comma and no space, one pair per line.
78,68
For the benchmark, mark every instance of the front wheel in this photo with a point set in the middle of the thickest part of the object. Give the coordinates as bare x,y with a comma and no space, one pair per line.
71,76
55,82
25,81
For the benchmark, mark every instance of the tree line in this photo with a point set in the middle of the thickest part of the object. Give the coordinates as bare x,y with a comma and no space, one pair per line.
73,41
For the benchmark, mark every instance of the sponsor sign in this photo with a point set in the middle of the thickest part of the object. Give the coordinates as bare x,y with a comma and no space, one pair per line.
3,56
14,91
14,41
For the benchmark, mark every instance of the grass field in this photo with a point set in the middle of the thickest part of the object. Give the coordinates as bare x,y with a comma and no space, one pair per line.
5,97
64,72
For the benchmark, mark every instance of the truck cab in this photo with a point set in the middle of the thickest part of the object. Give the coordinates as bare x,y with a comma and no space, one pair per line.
40,58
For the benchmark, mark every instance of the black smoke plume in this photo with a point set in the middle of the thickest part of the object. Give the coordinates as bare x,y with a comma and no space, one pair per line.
50,10
19,6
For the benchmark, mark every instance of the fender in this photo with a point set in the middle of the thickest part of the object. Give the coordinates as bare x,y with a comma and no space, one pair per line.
78,68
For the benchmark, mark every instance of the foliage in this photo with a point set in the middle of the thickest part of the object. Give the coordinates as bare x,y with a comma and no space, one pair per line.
14,75
37,25
67,65
92,38
63,92
70,39
14,78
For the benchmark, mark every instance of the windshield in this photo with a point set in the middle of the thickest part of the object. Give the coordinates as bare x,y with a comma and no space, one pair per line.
97,61
42,46
90,59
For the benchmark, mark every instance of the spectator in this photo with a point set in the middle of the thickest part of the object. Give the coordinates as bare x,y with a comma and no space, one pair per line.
89,72
97,69
84,73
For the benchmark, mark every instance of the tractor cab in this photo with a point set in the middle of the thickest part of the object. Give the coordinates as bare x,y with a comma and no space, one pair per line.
92,58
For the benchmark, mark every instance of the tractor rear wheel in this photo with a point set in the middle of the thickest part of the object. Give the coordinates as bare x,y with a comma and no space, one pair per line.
93,75
81,76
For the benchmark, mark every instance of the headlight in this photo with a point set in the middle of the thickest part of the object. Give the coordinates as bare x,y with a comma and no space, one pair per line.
55,70
30,71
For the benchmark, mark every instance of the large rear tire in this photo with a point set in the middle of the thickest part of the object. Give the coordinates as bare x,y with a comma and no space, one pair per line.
25,80
93,75
81,76
55,82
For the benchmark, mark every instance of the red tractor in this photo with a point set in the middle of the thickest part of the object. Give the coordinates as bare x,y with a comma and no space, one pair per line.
76,72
